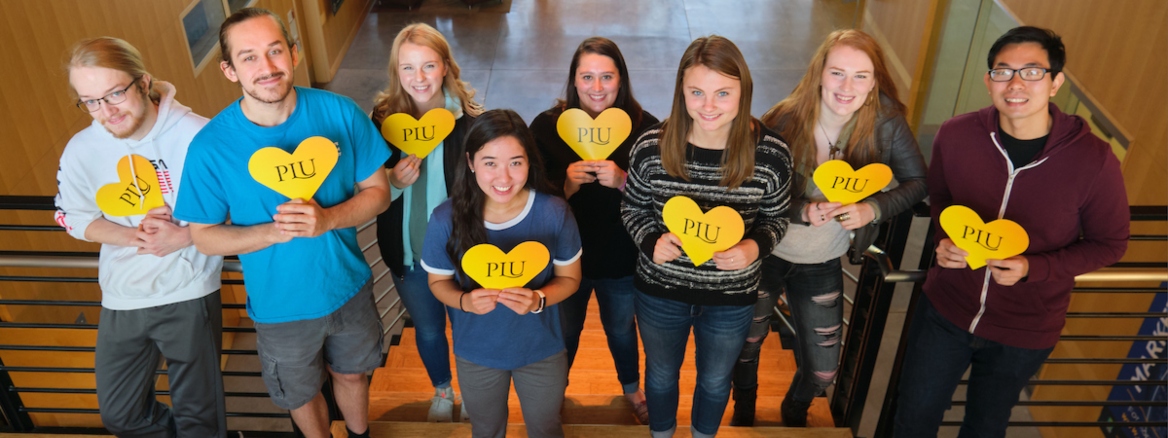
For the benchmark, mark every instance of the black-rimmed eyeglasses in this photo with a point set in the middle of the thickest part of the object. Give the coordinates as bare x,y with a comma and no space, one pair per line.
113,98
1027,74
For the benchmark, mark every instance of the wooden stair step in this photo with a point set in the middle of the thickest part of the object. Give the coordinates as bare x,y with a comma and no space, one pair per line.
385,429
401,390
592,354
589,409
582,382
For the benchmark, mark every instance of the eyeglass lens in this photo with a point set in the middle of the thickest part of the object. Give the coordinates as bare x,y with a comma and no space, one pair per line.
114,98
1028,74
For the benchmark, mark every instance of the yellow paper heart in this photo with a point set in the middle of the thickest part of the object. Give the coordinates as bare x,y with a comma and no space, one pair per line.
839,183
418,137
702,234
1000,239
486,264
296,175
594,139
125,198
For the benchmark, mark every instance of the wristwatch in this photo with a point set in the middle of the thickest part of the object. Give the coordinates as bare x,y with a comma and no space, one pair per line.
542,301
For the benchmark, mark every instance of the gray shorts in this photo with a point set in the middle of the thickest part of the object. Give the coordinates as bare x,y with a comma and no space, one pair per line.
294,353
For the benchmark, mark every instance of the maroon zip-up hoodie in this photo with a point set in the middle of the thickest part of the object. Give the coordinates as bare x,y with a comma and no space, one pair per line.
1070,200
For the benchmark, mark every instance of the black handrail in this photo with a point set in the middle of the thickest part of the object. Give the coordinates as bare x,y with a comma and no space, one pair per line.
1138,213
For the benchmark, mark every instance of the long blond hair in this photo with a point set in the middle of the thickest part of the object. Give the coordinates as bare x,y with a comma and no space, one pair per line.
394,99
721,55
112,53
801,108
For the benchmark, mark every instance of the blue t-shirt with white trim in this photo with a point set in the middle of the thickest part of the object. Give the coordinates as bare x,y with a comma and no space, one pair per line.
503,339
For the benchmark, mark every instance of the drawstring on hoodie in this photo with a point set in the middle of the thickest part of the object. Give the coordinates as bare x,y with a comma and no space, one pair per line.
166,91
134,177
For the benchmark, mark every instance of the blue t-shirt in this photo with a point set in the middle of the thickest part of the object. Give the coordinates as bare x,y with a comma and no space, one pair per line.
503,339
304,278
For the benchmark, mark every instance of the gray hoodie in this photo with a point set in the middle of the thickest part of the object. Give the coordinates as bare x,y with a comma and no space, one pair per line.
90,161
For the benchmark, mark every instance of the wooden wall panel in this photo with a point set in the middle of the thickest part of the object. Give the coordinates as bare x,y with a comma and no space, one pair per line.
329,35
899,26
340,29
38,115
907,30
1115,53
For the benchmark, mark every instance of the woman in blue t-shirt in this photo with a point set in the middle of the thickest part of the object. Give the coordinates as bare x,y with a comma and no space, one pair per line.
422,76
513,334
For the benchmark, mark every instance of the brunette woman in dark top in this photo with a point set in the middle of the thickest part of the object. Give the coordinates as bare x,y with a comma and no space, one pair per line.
598,79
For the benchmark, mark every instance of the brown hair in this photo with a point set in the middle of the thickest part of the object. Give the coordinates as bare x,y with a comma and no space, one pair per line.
111,53
624,96
721,55
467,198
244,15
394,99
801,108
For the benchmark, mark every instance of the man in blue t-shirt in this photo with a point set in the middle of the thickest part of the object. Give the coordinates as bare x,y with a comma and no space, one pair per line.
309,287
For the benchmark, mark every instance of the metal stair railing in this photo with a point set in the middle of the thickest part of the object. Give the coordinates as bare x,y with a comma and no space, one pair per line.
16,416
874,294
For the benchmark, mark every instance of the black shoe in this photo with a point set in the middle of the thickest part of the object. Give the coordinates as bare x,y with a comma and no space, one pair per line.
794,412
744,401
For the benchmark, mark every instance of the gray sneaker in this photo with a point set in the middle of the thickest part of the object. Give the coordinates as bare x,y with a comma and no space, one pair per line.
441,406
463,417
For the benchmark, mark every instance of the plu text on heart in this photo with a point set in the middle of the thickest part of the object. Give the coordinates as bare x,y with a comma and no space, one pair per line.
702,234
999,239
839,183
418,136
135,192
594,139
492,269
297,175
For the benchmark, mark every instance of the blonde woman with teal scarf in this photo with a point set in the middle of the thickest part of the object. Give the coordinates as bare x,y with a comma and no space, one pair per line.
422,76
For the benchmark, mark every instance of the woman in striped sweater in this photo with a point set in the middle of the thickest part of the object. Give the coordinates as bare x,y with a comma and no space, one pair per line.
712,151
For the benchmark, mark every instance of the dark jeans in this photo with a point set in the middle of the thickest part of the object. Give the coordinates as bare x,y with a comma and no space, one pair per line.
938,353
718,335
429,317
815,297
615,297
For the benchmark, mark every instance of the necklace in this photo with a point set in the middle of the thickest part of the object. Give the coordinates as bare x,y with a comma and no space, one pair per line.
832,150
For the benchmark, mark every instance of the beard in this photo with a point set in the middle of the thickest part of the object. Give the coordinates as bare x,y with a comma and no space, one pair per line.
136,117
275,94
126,130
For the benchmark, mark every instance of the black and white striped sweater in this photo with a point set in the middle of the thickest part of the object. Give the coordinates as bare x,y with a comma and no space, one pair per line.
762,201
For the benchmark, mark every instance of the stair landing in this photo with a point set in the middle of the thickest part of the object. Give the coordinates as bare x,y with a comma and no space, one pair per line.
457,430
401,390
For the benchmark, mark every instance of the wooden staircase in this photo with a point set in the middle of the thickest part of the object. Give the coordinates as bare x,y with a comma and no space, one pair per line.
399,396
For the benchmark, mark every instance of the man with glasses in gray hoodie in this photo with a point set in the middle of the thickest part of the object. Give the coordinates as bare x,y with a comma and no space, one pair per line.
117,183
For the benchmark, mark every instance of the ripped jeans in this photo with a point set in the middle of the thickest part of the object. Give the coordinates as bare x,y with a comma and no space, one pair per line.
815,297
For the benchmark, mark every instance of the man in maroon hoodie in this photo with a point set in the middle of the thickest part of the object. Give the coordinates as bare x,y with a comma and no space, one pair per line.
1024,160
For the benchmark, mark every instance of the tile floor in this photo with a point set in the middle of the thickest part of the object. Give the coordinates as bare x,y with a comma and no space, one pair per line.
519,60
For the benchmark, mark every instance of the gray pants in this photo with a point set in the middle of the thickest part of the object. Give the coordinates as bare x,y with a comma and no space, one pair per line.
129,342
540,387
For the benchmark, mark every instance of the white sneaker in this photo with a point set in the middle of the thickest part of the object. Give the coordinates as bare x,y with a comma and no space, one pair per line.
441,406
463,417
